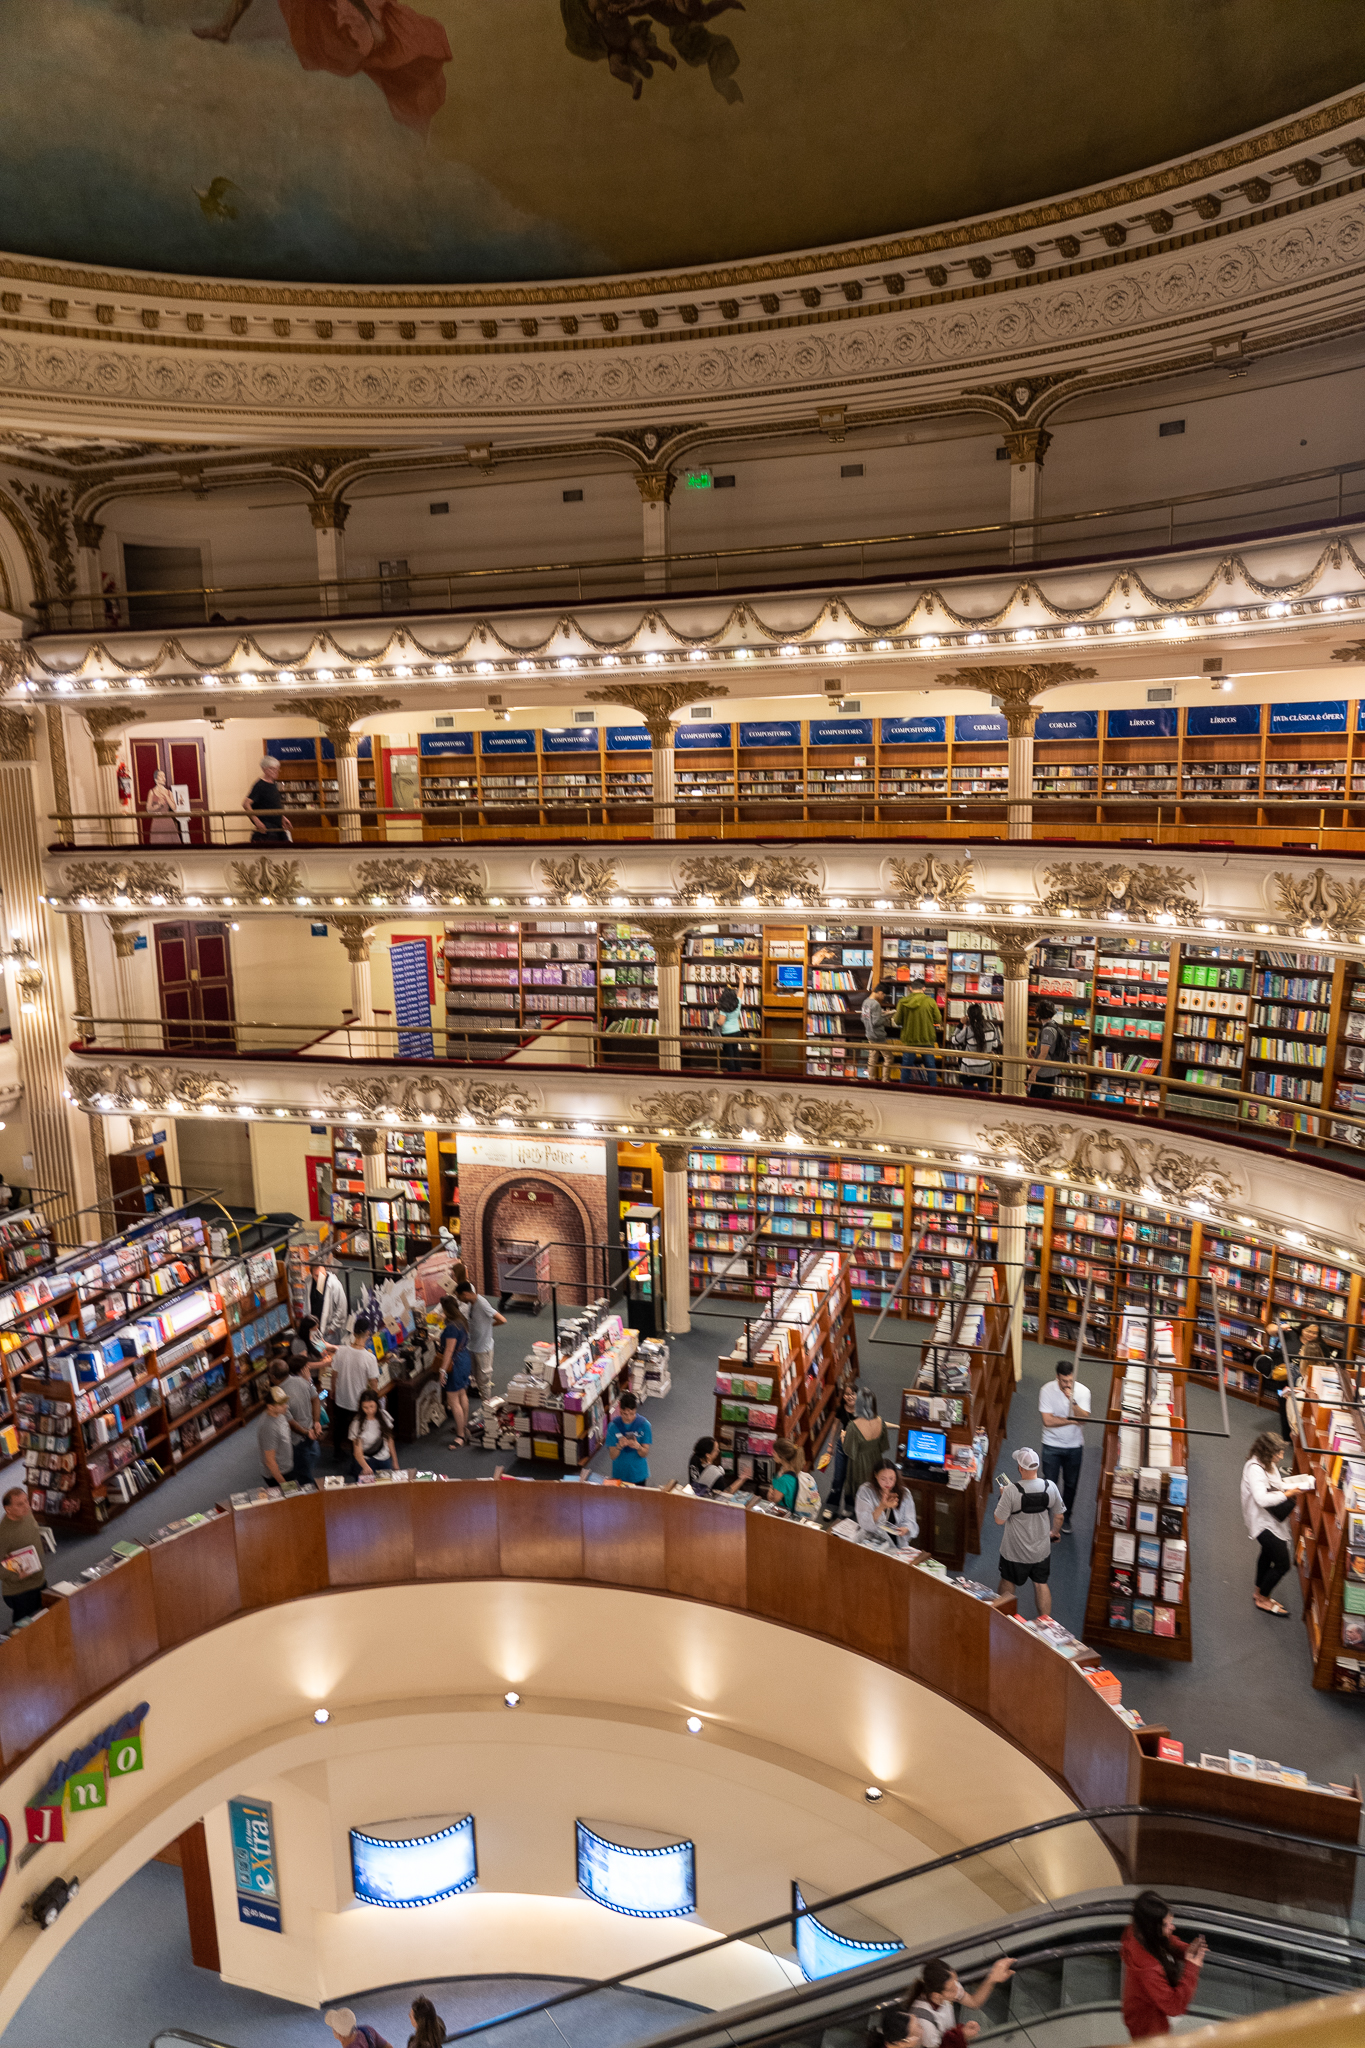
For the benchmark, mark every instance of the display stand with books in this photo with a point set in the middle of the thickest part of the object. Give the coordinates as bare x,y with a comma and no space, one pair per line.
962,1395
783,1377
1139,1595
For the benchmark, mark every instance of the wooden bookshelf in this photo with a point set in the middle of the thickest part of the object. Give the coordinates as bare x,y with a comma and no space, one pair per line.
1327,1537
964,1386
801,1348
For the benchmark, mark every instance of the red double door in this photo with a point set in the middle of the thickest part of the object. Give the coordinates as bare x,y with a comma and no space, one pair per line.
182,762
194,978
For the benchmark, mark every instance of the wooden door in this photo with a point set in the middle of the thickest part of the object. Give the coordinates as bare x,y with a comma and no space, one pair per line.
194,980
183,763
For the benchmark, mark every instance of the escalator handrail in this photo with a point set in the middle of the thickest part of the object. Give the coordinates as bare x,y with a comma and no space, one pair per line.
1088,1815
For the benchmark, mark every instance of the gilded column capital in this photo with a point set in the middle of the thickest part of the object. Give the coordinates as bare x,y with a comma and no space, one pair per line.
336,716
1017,688
656,702
1014,950
655,485
674,1157
1027,444
665,934
329,515
371,1141
102,720
124,930
356,935
89,533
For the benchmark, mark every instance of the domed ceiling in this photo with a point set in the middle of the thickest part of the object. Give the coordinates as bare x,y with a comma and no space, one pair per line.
468,141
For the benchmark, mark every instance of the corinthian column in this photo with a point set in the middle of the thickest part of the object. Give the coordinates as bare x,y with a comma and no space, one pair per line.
1018,690
357,935
677,1277
1012,1196
35,1005
101,722
1014,950
666,935
89,533
656,491
1027,446
336,716
124,930
656,703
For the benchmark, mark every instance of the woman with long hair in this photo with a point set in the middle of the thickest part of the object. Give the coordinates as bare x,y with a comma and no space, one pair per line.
885,1505
428,2028
457,1365
706,1474
372,1438
1160,1972
976,1040
938,1993
1266,1501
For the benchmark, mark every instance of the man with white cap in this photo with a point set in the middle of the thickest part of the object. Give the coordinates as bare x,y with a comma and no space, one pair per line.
350,2033
1030,1512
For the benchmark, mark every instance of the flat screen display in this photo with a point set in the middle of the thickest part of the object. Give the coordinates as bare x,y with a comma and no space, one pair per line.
823,1953
926,1447
648,1884
414,1870
791,977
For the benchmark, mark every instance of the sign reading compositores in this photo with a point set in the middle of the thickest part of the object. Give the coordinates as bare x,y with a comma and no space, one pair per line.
569,739
253,1864
544,1155
628,739
914,732
437,745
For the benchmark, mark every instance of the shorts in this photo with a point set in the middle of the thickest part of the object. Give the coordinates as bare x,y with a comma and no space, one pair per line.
457,1379
1020,1574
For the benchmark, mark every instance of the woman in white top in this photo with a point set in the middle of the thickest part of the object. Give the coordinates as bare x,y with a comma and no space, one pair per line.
1266,1502
885,1506
976,1039
936,1997
372,1437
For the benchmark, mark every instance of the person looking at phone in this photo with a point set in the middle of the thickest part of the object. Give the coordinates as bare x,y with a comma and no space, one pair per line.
629,1437
885,1506
22,1576
706,1474
1160,1972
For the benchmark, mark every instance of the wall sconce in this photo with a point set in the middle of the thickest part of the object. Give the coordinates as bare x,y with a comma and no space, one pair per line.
28,977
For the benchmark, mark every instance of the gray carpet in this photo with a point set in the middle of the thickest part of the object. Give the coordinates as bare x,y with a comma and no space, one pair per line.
127,1975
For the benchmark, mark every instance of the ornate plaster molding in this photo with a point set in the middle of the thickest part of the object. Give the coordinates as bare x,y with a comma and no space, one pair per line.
337,715
16,735
730,1114
1018,688
134,1088
742,877
114,883
276,879
1318,899
426,1097
1149,1168
1137,889
933,880
665,934
459,881
656,702
593,880
100,720
356,935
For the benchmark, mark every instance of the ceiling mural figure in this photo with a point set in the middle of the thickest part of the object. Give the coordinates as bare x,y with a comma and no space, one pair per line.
622,31
403,52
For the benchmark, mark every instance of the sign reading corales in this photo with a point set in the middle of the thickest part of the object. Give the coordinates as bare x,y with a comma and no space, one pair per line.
1067,725
979,725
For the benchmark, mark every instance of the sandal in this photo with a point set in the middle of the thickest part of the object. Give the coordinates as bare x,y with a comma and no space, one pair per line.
1273,1608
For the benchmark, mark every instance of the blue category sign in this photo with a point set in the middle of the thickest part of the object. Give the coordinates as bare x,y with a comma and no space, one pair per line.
914,732
841,732
628,739
409,960
317,931
785,732
296,750
253,1863
701,736
1213,721
1067,725
1328,715
515,740
979,725
364,752
140,943
1140,725
569,739
435,744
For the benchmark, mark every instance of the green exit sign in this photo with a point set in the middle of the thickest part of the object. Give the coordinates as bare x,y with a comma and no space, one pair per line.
698,479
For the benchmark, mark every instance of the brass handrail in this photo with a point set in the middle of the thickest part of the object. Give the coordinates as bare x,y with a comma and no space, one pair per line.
339,590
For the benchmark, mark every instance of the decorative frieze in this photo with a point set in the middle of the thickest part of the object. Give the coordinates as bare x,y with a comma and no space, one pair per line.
424,1098
1134,889
461,881
1151,1169
135,1088
737,1114
933,882
119,884
747,879
1319,899
593,880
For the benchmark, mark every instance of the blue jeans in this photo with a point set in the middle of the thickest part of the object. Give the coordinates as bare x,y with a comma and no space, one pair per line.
922,1061
305,1458
839,1469
1063,1468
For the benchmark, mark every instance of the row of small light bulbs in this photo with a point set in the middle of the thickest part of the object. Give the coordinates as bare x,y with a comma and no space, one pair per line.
1171,625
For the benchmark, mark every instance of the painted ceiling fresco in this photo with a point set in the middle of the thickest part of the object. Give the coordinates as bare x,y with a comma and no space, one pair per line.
464,141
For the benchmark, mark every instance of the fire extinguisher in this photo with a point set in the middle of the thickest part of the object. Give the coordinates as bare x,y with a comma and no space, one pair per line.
125,785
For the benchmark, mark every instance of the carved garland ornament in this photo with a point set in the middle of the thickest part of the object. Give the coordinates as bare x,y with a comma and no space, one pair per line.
460,880
268,877
419,1095
947,883
1131,1166
115,1088
1320,899
729,1114
594,880
142,882
1134,890
729,879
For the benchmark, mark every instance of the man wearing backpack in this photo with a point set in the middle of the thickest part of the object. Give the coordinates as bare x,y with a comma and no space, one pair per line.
1030,1511
1054,1042
917,1026
876,1023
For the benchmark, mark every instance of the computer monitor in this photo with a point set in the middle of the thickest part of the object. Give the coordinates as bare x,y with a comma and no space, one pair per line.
926,1447
791,977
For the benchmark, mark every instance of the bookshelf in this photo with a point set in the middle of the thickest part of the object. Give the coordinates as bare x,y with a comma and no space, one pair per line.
563,1420
964,1385
1128,1034
715,958
518,977
1138,1597
449,779
722,1212
1288,1034
1061,972
629,980
953,1226
1327,1538
783,1377
842,967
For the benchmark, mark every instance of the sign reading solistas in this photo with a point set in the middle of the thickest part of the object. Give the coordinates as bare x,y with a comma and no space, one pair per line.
532,1155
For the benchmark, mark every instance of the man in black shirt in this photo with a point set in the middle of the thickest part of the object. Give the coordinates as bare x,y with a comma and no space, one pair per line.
264,805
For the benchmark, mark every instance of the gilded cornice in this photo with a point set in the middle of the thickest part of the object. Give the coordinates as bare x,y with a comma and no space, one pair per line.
1301,130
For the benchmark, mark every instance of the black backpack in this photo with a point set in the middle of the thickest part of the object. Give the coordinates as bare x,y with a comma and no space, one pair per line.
1030,1503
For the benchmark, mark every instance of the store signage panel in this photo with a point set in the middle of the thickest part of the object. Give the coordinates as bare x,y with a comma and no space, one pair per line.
1327,715
433,745
841,732
517,740
293,750
914,732
628,739
414,1869
1215,721
823,1953
569,739
1141,725
979,725
701,735
1067,725
542,1155
784,732
254,1870
647,1884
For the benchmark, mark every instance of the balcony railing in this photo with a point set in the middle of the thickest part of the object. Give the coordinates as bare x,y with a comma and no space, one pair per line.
1329,822
1311,497
573,1041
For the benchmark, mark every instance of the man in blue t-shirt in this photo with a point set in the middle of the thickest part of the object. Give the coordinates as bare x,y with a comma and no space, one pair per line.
628,1438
